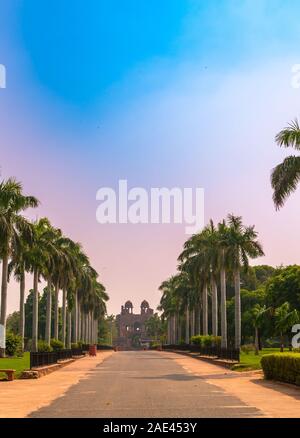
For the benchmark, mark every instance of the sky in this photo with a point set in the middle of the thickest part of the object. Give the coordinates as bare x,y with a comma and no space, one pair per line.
172,93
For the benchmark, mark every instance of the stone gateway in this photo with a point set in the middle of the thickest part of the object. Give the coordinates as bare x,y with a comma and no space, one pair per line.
131,326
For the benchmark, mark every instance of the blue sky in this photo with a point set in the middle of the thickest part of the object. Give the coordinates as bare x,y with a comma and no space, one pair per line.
80,50
186,93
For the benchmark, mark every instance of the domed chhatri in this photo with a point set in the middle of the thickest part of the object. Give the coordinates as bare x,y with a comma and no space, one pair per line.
128,305
144,307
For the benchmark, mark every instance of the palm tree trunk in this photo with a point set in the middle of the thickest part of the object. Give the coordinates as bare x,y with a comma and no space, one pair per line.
35,315
78,322
96,331
86,328
69,338
237,287
214,301
205,310
223,309
199,319
281,343
64,318
187,325
90,329
22,309
168,331
4,298
175,328
76,318
192,313
56,312
48,313
179,329
83,332
256,342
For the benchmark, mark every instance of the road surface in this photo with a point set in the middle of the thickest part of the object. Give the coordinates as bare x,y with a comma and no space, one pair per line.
145,384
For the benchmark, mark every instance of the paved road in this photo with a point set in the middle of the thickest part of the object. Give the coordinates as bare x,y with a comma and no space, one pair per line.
144,384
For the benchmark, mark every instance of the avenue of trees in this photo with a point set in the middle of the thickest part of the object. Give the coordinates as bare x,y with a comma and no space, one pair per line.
216,292
47,254
208,260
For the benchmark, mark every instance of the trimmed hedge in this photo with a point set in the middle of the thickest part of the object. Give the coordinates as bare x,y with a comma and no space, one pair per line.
206,340
284,367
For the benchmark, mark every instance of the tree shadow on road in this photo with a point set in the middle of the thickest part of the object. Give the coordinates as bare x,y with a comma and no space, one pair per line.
283,388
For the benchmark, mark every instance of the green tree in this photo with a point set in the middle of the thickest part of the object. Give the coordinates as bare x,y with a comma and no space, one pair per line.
258,314
285,318
242,244
12,223
285,176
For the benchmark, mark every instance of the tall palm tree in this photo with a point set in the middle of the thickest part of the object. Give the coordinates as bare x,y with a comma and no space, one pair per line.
209,240
222,244
241,243
285,176
194,259
258,314
285,318
12,203
19,265
40,255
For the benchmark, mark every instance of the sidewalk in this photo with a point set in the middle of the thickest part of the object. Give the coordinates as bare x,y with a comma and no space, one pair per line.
21,397
274,399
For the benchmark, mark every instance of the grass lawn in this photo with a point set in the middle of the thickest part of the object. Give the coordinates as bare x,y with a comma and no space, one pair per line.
252,362
16,363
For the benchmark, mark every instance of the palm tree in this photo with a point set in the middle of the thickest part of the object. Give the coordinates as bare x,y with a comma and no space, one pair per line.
223,267
210,241
285,318
241,244
12,203
285,176
40,258
258,312
194,262
19,265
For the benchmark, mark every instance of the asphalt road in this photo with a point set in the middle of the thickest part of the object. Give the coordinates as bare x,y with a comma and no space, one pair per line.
144,384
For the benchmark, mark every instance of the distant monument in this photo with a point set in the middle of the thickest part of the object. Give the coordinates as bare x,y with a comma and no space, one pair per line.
131,326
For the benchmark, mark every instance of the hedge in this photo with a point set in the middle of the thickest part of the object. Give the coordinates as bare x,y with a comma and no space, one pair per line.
284,367
206,340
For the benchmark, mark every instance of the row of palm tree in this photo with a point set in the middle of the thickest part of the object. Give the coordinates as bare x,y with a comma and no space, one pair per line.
42,250
206,261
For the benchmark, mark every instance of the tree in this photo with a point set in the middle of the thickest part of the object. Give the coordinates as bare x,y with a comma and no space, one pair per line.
19,265
155,327
285,176
258,314
13,323
285,318
12,203
283,287
242,243
40,254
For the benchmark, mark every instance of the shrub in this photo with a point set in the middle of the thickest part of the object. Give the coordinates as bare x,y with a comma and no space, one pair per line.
196,340
206,340
246,348
56,345
74,346
284,367
43,347
13,344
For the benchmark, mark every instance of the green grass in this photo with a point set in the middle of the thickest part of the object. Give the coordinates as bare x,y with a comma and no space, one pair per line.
16,363
252,362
